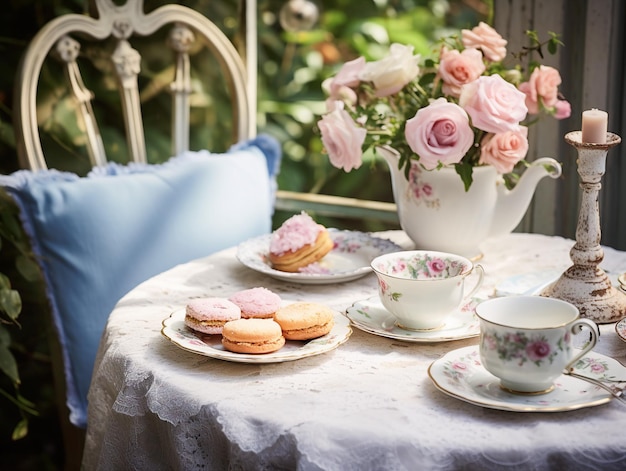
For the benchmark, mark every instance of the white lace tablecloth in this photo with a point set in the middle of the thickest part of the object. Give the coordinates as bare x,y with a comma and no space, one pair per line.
368,405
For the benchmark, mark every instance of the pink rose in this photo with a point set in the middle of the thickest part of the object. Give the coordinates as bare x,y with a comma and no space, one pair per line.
332,105
562,109
343,93
541,88
487,39
342,138
440,132
399,267
383,286
596,367
504,150
347,78
458,68
494,104
391,74
538,350
457,365
436,266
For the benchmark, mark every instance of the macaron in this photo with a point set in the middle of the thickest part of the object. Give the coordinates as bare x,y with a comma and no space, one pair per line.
305,320
257,303
208,315
252,336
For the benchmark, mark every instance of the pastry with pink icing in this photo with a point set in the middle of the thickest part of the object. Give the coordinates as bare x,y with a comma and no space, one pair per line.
298,242
208,315
260,303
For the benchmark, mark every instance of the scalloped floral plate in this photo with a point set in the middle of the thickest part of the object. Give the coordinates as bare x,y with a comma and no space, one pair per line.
370,316
460,374
174,329
348,260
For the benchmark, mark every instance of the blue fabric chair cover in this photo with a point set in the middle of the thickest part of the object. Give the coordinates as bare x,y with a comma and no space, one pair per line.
99,236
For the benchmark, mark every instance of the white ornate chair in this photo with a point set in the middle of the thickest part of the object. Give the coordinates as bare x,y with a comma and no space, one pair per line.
122,22
97,236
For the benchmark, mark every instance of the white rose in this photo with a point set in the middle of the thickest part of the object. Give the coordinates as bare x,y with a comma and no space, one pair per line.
391,74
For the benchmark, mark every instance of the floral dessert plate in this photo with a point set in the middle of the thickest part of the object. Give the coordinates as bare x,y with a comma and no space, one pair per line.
460,374
349,259
370,316
174,329
620,328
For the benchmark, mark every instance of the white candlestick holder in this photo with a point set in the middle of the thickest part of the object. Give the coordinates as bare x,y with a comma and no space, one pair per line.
585,284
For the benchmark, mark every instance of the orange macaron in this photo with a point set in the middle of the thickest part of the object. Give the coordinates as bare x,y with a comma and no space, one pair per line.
305,320
252,336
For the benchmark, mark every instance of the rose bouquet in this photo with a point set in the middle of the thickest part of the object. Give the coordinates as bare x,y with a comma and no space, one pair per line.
463,107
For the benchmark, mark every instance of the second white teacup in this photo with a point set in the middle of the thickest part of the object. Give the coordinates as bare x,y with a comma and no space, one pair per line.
526,341
421,288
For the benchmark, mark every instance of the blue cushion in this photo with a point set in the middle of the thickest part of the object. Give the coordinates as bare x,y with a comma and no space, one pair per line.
98,237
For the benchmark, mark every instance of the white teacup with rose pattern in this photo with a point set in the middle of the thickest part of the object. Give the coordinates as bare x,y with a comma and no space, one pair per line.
422,288
526,341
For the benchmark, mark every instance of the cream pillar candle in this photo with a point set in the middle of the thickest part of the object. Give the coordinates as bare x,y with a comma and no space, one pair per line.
594,126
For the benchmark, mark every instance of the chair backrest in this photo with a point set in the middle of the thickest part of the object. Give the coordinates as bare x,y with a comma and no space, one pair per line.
61,37
98,236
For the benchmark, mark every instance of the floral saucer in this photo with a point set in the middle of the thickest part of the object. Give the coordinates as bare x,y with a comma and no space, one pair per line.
460,374
174,329
370,316
348,260
620,328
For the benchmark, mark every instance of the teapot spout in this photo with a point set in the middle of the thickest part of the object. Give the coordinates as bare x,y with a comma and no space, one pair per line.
512,204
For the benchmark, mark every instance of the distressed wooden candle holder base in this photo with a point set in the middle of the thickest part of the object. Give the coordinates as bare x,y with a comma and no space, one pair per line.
585,284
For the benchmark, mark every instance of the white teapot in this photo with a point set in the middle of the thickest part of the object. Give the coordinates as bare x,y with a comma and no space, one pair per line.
438,214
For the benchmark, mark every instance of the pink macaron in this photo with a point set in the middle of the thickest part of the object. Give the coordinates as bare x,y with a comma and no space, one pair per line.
208,315
258,303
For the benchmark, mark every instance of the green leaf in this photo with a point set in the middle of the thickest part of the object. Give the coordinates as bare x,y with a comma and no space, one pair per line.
465,172
532,35
10,303
5,337
27,267
552,46
8,365
26,404
20,430
5,283
7,134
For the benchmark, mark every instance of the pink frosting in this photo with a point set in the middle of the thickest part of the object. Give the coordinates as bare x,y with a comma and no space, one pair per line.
255,302
296,232
207,309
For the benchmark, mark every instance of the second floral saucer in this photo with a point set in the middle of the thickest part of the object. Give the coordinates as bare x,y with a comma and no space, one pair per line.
370,316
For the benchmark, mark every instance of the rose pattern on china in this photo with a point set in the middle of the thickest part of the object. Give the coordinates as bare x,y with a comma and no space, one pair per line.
460,368
419,191
521,348
384,291
594,367
423,266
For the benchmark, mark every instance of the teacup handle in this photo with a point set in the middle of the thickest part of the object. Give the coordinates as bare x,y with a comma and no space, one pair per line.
479,282
576,327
